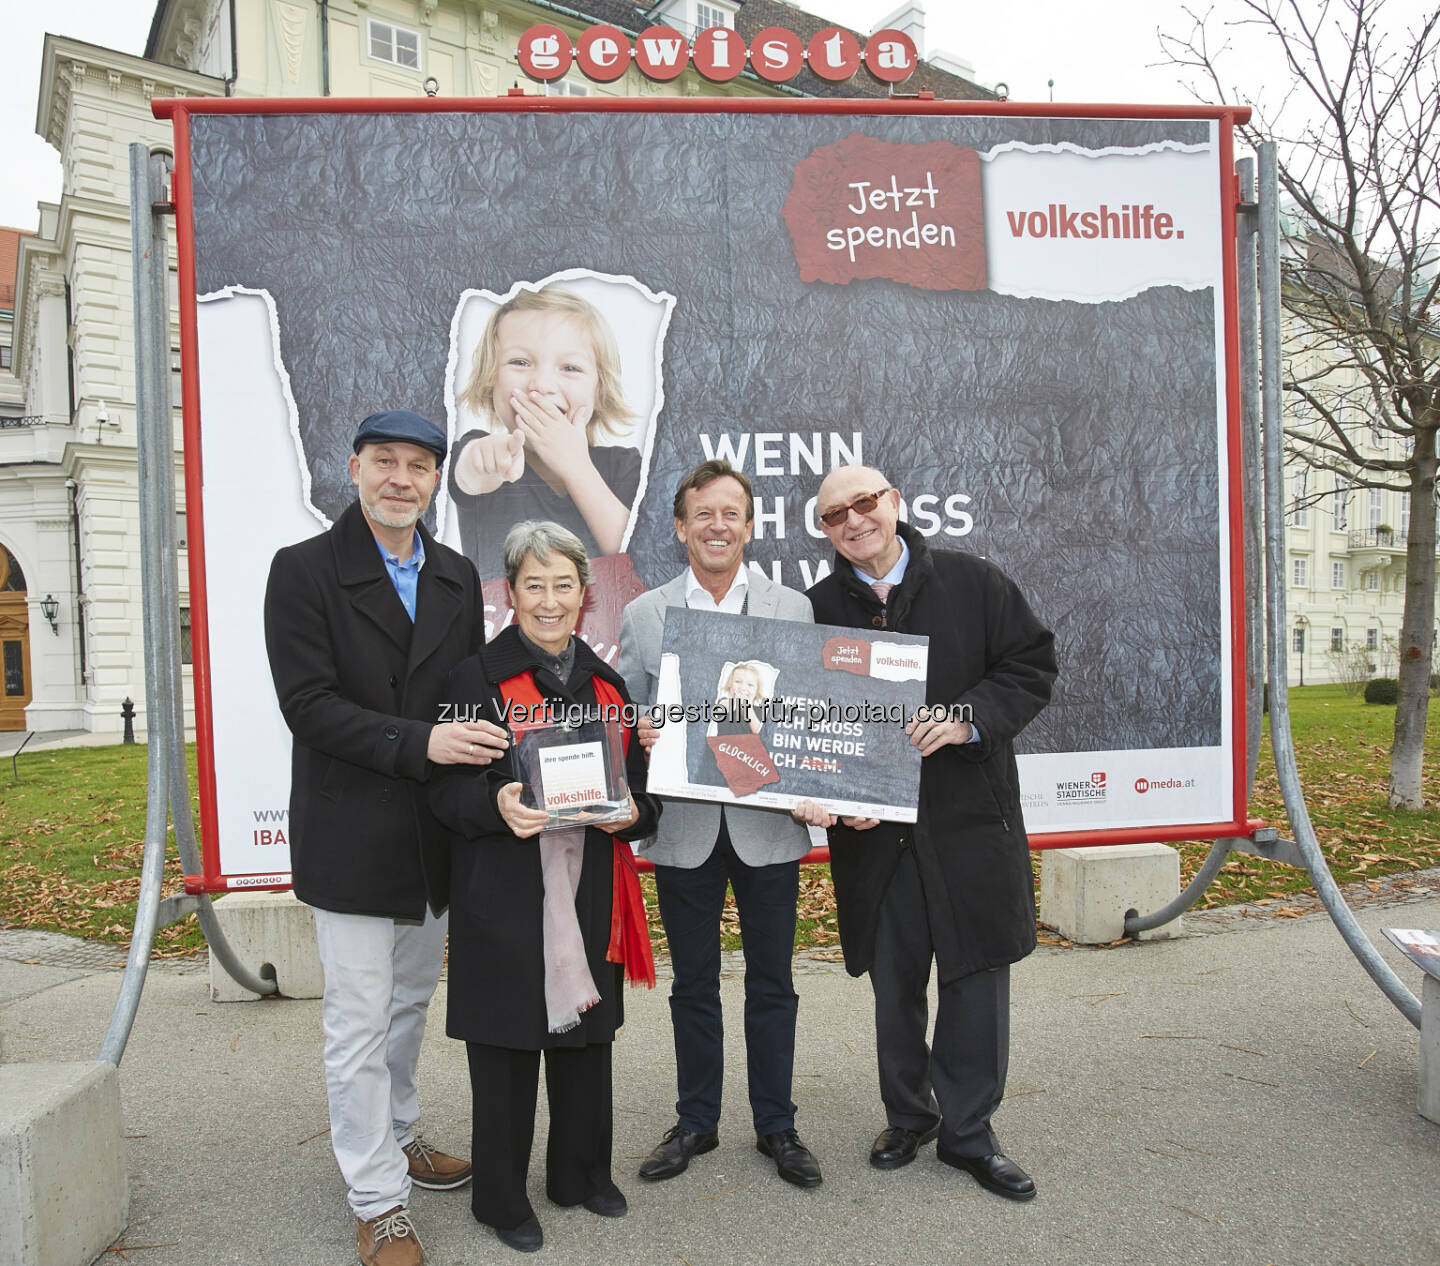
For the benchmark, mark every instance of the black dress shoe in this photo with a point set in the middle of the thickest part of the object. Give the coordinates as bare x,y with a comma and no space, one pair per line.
526,1238
609,1202
793,1160
897,1145
996,1172
672,1155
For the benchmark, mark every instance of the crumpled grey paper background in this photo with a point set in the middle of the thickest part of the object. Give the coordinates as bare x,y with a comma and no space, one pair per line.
1084,434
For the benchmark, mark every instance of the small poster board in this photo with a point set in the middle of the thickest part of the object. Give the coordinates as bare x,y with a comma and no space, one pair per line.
1421,948
575,773
772,712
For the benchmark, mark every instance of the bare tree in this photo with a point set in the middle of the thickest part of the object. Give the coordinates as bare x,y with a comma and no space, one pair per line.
1357,129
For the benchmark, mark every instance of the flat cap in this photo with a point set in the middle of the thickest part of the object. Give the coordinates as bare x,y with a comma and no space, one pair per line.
400,426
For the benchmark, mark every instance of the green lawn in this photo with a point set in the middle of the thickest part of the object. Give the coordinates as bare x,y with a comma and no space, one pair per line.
72,829
1342,748
72,838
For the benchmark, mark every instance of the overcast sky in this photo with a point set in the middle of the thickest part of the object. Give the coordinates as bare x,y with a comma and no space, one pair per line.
1094,51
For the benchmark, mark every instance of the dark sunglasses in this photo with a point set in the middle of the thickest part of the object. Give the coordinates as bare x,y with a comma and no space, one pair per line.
861,505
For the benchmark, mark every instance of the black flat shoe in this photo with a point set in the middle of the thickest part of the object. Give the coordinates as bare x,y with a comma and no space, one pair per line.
607,1203
793,1160
672,1154
525,1238
897,1145
996,1172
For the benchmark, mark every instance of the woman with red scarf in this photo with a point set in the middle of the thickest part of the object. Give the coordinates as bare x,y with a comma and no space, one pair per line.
542,926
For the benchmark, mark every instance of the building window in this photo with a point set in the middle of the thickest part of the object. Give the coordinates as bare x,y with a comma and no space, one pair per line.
1299,511
1297,641
185,648
1372,580
1297,572
4,355
1337,575
1340,507
1372,639
566,88
1375,509
1337,639
14,659
394,44
708,15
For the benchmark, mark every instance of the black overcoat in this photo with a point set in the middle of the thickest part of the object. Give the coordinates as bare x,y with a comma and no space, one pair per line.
989,651
497,959
360,688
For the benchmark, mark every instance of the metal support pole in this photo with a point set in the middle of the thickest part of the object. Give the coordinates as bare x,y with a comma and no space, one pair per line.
1252,474
1280,737
164,700
147,245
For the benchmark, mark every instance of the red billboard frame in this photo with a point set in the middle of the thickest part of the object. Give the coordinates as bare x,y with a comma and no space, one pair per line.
179,110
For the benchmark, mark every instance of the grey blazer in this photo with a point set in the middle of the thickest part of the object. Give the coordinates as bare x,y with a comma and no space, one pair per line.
689,828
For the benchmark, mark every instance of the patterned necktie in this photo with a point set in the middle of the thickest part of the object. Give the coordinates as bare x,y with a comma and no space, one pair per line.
882,588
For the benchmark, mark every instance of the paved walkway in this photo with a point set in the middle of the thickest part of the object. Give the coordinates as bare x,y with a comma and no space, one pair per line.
1242,1094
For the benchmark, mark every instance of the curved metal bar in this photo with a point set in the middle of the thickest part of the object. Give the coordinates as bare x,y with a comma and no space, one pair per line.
256,982
1280,737
1201,880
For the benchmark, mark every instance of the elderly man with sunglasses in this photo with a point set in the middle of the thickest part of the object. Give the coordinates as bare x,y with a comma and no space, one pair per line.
955,888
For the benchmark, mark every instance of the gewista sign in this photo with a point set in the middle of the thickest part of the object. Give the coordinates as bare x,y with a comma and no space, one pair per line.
604,53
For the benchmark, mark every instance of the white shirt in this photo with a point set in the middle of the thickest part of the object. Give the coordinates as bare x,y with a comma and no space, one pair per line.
698,598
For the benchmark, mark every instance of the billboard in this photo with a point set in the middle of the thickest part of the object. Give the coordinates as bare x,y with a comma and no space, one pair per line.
1025,319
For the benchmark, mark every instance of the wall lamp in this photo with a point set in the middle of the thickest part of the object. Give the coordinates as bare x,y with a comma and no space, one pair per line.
50,609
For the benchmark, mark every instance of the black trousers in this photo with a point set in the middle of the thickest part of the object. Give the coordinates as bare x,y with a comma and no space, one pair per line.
959,1078
503,1086
691,902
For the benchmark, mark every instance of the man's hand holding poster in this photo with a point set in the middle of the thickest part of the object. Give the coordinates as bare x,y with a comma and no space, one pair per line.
769,713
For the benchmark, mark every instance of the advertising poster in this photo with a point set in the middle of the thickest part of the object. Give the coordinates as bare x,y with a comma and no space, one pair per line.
1020,320
809,712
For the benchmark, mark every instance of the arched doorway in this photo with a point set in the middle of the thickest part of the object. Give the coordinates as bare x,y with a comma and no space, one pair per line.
14,644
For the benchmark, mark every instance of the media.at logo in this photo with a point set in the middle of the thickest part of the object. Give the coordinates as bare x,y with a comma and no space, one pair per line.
1142,785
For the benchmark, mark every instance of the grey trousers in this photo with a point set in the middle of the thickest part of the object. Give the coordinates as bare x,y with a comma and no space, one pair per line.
958,1079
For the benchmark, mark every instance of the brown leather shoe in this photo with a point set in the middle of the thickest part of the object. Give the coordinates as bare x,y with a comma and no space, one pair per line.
434,1169
389,1240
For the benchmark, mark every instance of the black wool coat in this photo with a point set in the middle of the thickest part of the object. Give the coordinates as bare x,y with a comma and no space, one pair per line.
360,688
497,957
989,651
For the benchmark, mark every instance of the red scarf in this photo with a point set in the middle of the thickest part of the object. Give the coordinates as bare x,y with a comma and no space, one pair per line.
629,933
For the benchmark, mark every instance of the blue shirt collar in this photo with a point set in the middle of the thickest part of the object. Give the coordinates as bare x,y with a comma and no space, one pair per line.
896,574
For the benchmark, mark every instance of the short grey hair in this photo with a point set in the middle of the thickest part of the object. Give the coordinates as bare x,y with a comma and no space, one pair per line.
542,538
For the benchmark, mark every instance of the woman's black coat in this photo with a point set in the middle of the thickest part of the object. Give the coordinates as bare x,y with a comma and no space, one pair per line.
497,965
989,651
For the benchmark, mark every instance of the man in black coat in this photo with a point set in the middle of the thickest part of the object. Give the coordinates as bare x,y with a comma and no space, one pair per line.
955,888
362,625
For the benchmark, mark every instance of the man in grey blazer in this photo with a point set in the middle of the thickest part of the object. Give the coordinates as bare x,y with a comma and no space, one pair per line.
700,848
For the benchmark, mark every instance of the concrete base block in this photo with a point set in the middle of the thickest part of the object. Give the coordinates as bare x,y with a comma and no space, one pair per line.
1430,1050
1085,893
268,927
63,1195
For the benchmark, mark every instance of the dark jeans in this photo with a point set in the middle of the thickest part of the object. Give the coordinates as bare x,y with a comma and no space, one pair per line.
959,1079
691,902
503,1085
